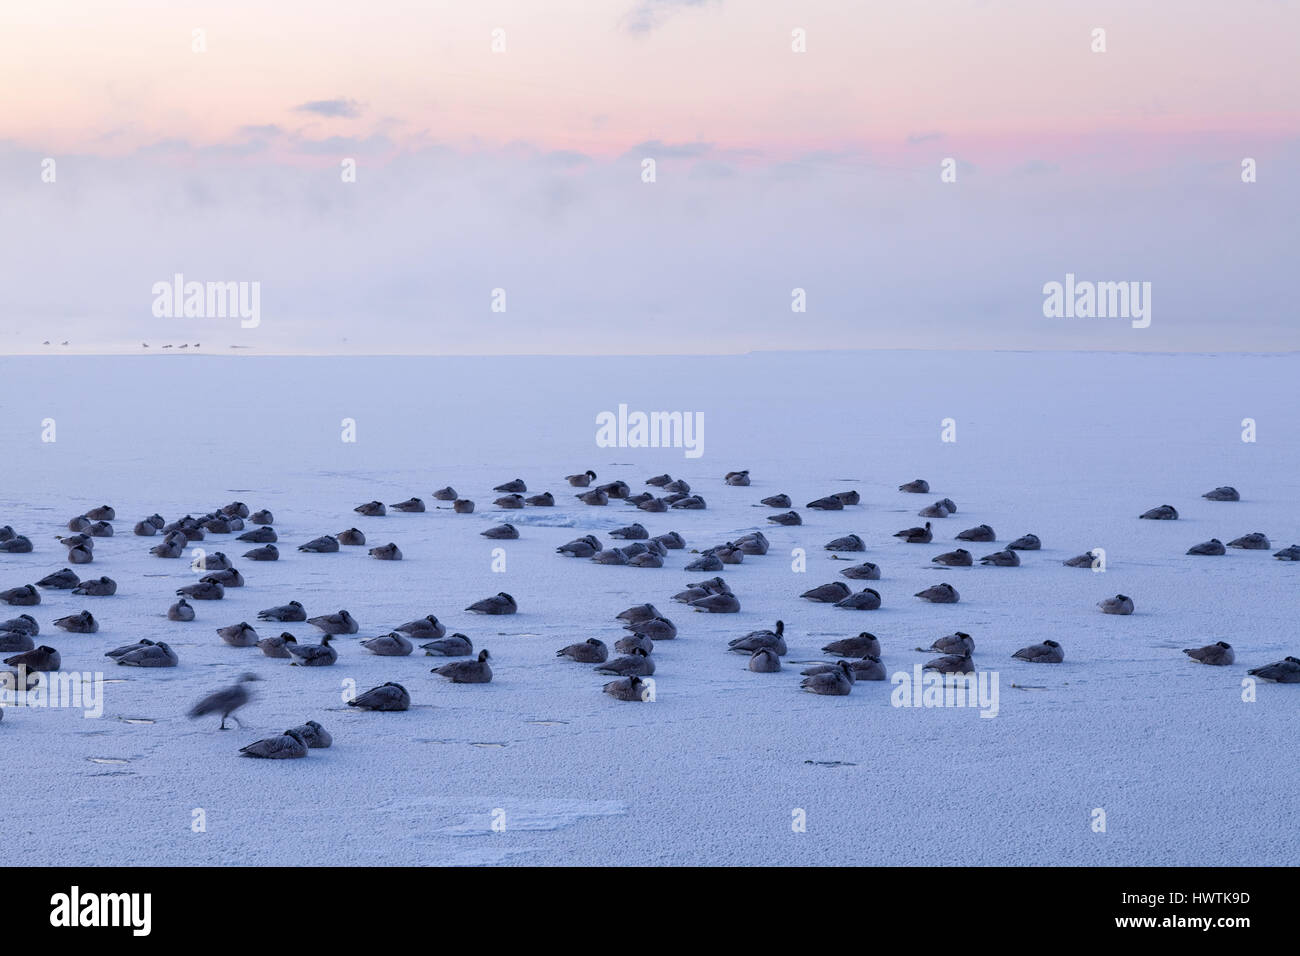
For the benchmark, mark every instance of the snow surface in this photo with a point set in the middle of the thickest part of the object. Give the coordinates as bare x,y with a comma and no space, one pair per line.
1071,446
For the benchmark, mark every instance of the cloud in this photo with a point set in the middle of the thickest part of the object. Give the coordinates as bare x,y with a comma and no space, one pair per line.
335,108
647,15
661,150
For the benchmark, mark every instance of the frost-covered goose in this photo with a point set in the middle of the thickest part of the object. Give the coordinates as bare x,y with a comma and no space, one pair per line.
286,746
829,503
127,648
500,603
590,651
981,533
1119,604
828,593
724,603
951,664
673,541
1001,559
511,502
277,647
477,671
238,635
1085,560
1048,652
939,594
182,610
626,645
1291,553
765,660
1212,547
516,486
410,506
462,506
389,645
385,697
25,596
1255,541
1026,542
868,599
1223,493
372,509
262,517
1280,672
226,701
582,480
388,552
583,547
1219,654
325,544
837,682
864,645
1161,513
789,519
60,580
638,663
154,655
657,628
738,478
916,535
314,655
445,494
421,628
777,501
956,643
918,486
285,613
753,543
351,538
454,645
341,622
772,640
43,658
262,535
267,552
638,613
544,500
633,532
961,558
850,542
628,688
314,735
203,591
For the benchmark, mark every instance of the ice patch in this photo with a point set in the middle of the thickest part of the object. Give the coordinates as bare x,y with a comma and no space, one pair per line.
535,815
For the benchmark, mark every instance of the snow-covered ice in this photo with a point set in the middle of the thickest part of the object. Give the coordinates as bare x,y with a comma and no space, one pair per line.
1070,446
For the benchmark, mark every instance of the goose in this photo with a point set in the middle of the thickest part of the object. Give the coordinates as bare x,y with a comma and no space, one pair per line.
145,529
217,525
936,510
690,503
961,558
1219,654
351,538
847,543
753,543
862,572
372,509
590,651
836,682
277,647
1161,513
229,578
758,640
594,497
1026,542
1280,672
238,635
425,627
765,660
313,735
939,593
514,502
102,513
636,664
1212,547
11,641
505,532
789,519
22,624
385,697
127,648
723,603
285,613
445,494
500,603
633,642
1119,604
288,745
512,487
1223,493
678,487
83,622
828,593
267,552
638,613
705,562
650,559
544,500
314,655
80,554
203,591
868,599
864,645
182,610
638,499
951,664
1085,560
43,658
226,701
477,671
583,547
582,480
63,580
340,622
1291,553
654,505
957,643
236,509
916,535
389,552
673,541
1048,652
739,479
6,533
101,529
462,506
918,486
850,497
1001,559
262,517
76,540
18,544
1255,541
628,688
409,506
79,523
829,503
389,645
25,596
262,535
777,501
457,645
325,544
657,629
633,532
659,481
215,561
153,655
869,668
980,533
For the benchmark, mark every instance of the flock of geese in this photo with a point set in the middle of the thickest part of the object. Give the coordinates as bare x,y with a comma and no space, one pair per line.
856,658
